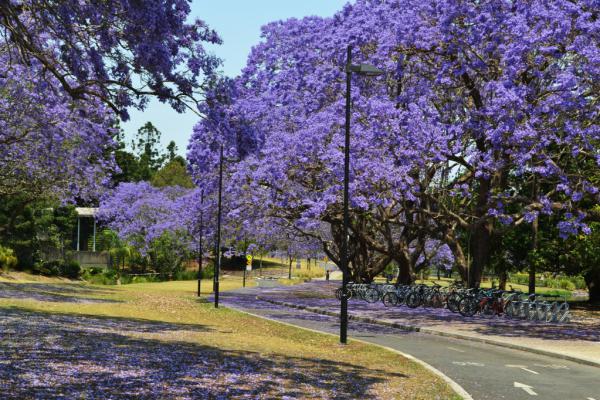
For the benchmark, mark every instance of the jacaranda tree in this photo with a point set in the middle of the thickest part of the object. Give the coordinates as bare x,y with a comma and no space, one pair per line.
116,51
485,114
69,69
51,146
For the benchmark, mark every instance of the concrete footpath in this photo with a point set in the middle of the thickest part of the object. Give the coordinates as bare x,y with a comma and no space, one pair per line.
578,341
486,372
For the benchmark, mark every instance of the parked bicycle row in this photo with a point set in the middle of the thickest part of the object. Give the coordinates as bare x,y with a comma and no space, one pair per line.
468,302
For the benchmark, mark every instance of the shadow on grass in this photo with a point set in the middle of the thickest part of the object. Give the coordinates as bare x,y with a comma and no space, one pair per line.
70,293
99,323
65,356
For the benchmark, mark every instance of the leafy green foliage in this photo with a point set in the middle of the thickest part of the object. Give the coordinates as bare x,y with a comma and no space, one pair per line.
68,269
174,173
167,254
35,228
7,259
147,147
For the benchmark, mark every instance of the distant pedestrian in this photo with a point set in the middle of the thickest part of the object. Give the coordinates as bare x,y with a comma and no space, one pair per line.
327,276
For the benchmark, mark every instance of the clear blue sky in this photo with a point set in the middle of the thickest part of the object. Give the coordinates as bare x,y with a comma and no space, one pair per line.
238,22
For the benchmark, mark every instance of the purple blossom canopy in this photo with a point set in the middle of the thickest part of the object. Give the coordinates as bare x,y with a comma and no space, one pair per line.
50,145
116,51
486,92
141,213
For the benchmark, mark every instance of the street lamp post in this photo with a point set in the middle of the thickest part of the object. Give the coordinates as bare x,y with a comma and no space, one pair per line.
218,244
367,70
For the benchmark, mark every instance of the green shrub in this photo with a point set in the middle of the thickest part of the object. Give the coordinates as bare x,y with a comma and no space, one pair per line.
208,272
101,279
8,259
185,275
139,279
144,279
50,268
71,270
95,270
574,282
579,282
566,284
167,253
99,276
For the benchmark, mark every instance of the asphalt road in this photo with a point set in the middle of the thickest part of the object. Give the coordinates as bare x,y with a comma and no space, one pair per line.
484,371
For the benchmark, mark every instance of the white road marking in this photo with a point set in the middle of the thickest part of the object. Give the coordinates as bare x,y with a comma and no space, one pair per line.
460,351
590,398
523,367
528,389
468,363
552,366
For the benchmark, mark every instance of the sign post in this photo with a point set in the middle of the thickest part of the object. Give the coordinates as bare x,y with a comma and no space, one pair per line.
248,267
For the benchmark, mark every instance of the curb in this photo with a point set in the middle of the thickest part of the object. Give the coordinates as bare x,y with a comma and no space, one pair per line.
453,385
429,331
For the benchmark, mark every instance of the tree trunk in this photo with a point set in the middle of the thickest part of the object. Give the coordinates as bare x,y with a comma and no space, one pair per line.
481,245
592,280
459,256
503,277
405,273
534,244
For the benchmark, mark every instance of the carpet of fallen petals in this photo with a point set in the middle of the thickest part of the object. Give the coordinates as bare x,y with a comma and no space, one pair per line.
74,342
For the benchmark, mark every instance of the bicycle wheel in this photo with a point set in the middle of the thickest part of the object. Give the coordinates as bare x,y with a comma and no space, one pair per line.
390,299
510,310
371,295
488,308
401,297
551,312
436,300
468,307
338,293
453,302
413,300
563,315
542,312
532,312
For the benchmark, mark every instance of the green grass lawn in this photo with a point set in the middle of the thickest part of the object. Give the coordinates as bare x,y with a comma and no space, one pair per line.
302,362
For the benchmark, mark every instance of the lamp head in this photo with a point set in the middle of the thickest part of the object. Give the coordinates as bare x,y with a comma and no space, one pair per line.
366,70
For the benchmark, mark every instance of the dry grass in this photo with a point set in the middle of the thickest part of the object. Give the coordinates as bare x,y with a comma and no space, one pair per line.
301,362
306,271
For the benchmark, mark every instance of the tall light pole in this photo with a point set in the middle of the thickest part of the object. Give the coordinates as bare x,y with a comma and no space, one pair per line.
367,70
218,244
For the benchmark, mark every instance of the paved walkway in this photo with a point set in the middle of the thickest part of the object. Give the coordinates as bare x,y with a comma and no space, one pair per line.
578,340
485,371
